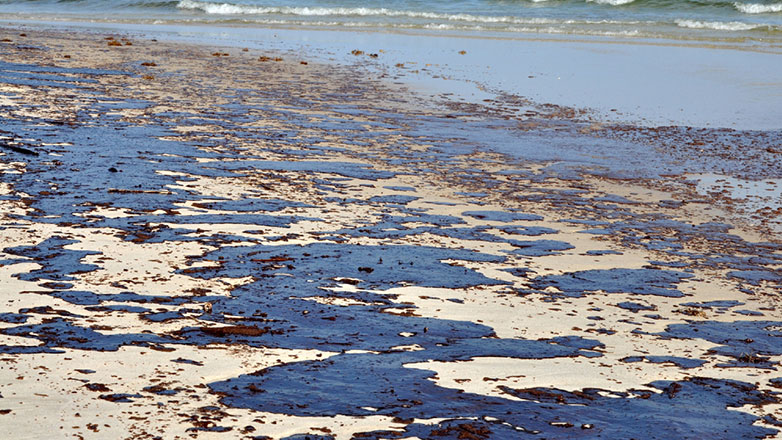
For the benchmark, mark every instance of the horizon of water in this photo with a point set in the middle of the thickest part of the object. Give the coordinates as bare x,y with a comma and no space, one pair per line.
754,22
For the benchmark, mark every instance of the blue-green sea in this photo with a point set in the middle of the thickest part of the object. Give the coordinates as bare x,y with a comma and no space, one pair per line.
733,20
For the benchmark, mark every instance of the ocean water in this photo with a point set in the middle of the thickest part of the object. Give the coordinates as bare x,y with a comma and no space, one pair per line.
756,22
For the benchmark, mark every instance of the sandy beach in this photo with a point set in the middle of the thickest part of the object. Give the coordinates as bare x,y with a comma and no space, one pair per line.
225,241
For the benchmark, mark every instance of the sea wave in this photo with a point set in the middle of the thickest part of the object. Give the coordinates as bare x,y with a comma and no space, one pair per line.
758,8
719,25
553,28
727,22
303,11
237,9
611,2
437,18
357,16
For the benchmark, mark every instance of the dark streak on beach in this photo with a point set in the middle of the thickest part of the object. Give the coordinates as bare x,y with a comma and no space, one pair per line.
157,200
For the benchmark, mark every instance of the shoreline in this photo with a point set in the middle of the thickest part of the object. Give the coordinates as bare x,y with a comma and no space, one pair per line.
291,249
587,73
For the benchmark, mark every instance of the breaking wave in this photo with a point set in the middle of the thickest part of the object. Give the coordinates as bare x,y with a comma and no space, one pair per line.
235,9
718,25
758,8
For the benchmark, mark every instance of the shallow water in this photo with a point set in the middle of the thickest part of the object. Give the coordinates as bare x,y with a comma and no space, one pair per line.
646,83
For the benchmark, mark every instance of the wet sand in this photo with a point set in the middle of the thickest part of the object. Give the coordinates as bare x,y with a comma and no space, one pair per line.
208,242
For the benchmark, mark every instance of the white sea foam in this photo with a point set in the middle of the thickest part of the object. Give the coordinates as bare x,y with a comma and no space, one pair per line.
235,9
531,28
358,17
611,2
758,8
717,25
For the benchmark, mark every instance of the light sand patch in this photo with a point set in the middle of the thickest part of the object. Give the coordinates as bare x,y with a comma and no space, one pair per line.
50,389
12,167
144,268
10,292
106,212
485,375
337,301
5,189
